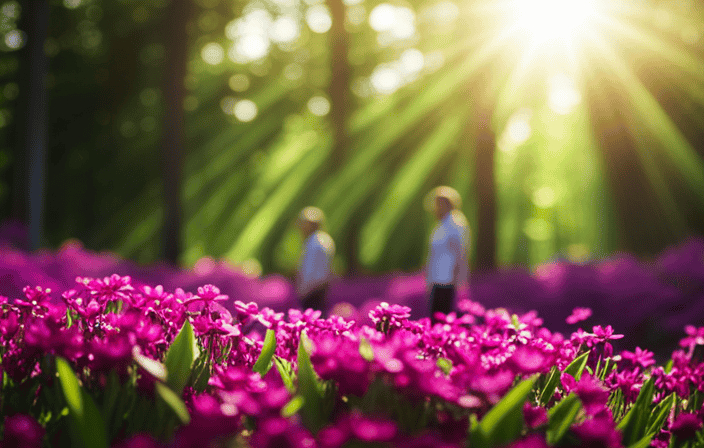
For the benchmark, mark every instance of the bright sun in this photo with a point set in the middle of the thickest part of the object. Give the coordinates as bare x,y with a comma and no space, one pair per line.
554,20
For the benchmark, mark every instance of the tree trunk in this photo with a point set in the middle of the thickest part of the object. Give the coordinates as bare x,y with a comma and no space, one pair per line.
486,192
484,174
31,148
173,137
340,104
339,87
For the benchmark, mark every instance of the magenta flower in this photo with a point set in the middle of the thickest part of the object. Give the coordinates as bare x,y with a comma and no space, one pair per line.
685,426
578,315
22,431
207,294
372,430
592,394
531,441
389,317
605,333
695,336
109,288
640,358
598,432
534,415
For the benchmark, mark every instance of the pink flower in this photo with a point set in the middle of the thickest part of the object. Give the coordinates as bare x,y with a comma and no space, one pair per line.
685,426
639,358
578,315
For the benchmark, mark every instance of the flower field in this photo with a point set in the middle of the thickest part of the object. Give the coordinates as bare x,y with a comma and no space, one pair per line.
112,360
649,302
111,364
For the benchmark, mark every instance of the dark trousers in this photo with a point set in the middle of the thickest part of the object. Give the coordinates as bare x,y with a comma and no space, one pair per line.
441,299
314,299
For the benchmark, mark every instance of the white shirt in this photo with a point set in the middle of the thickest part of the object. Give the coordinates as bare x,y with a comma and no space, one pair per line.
447,260
314,269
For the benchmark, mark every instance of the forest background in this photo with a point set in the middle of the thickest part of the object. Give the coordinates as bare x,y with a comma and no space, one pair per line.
173,130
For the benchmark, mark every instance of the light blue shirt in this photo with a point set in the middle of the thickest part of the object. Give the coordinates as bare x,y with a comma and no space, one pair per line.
447,260
314,269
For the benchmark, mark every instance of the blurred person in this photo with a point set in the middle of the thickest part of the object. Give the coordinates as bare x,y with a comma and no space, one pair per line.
314,269
447,258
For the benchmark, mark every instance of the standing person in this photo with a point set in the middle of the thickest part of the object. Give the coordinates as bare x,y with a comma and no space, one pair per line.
318,250
447,258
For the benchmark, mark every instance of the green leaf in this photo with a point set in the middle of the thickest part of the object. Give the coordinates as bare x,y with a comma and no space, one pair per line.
560,418
310,388
549,389
504,422
152,366
642,443
577,366
445,365
263,363
82,409
633,424
659,415
174,402
70,386
292,406
112,393
284,369
365,349
180,357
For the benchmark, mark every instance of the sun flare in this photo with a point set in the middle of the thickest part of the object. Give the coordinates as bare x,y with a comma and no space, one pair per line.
554,20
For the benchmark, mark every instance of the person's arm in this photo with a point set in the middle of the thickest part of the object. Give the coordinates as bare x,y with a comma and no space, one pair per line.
460,272
303,278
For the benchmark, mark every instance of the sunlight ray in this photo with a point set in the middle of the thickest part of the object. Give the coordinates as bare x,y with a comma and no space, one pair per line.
403,187
682,59
258,228
659,123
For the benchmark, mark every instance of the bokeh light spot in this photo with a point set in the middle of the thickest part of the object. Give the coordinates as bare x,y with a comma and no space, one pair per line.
318,19
538,229
245,110
15,39
227,105
285,29
544,197
519,129
411,61
382,17
563,95
319,105
148,96
293,71
212,53
239,82
11,10
72,4
385,80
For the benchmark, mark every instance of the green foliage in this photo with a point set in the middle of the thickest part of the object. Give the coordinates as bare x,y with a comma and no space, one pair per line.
263,363
560,418
504,422
151,366
365,349
445,365
174,402
88,423
634,423
180,358
286,371
660,413
575,369
310,388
